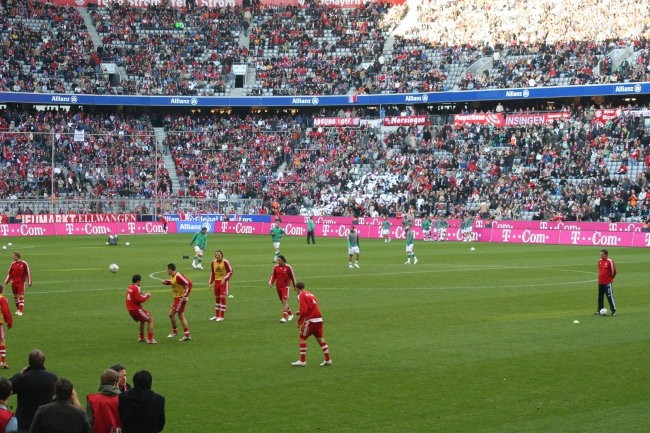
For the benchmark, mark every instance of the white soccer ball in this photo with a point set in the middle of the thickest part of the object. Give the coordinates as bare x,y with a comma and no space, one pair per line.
603,311
472,249
9,244
113,268
127,244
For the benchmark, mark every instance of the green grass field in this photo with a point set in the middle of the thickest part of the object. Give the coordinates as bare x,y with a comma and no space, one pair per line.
463,341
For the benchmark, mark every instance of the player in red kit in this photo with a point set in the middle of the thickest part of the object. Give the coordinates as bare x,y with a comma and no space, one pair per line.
606,275
181,288
134,300
283,277
18,275
5,318
220,273
310,322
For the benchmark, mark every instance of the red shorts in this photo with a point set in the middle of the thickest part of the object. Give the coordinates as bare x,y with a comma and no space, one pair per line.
18,288
283,293
221,288
311,328
179,305
140,315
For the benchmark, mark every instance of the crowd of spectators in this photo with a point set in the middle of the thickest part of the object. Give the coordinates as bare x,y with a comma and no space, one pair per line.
102,157
307,50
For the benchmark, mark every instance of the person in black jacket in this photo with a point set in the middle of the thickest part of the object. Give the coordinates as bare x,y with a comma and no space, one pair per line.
63,415
141,409
34,387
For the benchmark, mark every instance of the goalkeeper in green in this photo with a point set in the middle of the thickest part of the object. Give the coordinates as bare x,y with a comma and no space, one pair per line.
200,242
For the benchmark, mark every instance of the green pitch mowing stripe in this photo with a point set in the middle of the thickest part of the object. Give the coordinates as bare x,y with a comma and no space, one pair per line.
464,341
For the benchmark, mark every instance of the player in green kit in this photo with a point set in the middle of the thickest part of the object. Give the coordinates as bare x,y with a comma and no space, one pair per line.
385,229
409,238
276,237
441,228
200,241
353,247
426,228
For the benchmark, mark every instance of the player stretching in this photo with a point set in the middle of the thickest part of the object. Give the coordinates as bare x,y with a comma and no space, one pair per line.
310,322
18,275
200,241
409,238
134,300
220,273
283,277
181,288
276,237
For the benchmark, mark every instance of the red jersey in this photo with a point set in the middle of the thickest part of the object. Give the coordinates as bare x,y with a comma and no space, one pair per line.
309,311
106,415
606,271
135,298
6,312
282,276
19,273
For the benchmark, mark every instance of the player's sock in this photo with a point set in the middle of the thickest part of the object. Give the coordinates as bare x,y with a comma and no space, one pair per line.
186,331
224,304
285,315
3,353
303,352
217,308
199,260
150,335
141,335
326,350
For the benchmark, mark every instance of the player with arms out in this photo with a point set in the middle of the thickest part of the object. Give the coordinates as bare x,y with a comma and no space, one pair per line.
276,236
409,239
181,288
134,300
18,275
353,247
606,274
220,273
200,241
5,319
385,230
310,322
283,277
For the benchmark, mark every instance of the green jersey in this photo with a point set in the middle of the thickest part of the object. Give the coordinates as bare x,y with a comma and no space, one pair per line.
200,239
410,237
310,225
426,224
276,234
353,239
442,224
467,224
385,225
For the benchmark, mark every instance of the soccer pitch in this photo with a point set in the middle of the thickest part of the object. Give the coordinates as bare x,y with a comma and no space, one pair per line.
481,341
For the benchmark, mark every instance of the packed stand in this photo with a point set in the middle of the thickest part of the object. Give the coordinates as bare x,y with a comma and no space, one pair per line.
229,157
312,51
47,49
98,159
166,51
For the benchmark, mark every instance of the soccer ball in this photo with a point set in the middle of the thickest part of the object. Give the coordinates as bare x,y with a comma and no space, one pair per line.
603,311
113,268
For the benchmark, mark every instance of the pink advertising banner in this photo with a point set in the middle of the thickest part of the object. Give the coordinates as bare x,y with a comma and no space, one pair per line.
89,228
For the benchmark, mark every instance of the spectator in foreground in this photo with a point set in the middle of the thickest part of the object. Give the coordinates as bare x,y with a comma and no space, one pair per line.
102,407
8,422
63,415
34,387
141,409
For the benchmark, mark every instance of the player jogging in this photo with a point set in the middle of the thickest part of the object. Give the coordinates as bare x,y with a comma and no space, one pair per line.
134,300
18,275
181,288
426,229
276,236
283,277
5,319
310,322
220,273
408,240
200,241
606,275
353,247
